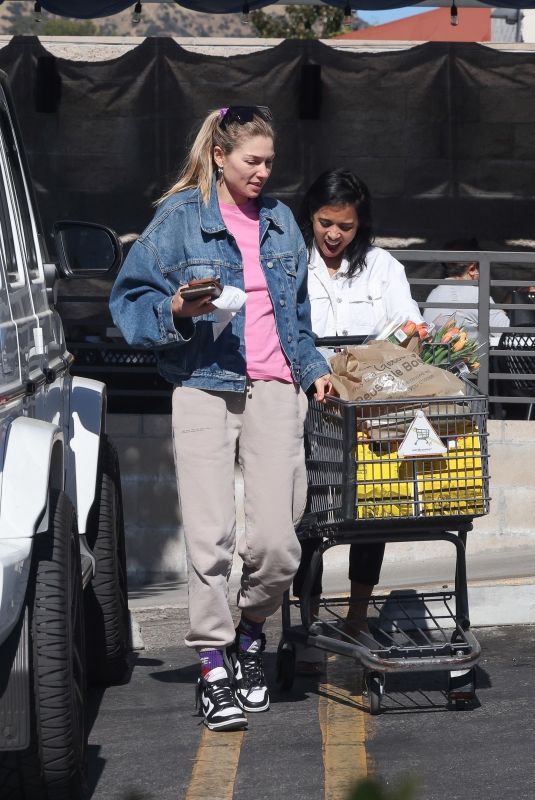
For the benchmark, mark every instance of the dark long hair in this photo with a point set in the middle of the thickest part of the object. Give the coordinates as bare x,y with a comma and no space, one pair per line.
340,187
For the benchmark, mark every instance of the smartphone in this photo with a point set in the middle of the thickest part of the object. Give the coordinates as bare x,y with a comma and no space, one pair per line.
204,287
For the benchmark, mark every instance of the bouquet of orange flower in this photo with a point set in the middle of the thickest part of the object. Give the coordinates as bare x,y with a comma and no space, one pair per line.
450,346
403,333
400,331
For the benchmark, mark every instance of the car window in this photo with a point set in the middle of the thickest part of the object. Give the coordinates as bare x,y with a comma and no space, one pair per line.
3,258
16,186
7,245
9,278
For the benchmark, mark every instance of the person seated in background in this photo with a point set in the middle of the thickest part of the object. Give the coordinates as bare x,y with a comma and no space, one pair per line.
461,292
523,317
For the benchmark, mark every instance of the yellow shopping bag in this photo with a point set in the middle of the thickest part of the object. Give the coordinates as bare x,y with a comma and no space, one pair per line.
389,486
453,485
384,485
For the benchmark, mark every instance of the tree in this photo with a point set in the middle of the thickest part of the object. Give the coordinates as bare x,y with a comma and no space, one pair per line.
20,21
299,22
67,27
373,789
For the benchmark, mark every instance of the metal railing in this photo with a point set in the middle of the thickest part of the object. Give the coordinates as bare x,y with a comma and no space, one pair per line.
492,378
134,384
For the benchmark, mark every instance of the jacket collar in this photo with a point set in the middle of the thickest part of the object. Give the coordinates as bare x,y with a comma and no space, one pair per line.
211,220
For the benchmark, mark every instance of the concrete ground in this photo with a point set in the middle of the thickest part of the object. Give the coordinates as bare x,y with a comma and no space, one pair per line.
501,583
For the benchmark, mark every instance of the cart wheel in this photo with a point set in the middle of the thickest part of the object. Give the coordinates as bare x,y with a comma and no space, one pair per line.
285,664
461,687
376,685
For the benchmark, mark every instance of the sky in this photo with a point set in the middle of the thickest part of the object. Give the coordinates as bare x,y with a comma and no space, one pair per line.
380,17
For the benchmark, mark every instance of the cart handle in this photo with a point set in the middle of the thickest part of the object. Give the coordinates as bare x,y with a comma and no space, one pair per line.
339,341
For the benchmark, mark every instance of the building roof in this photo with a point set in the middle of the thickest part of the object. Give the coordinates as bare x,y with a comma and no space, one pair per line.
431,26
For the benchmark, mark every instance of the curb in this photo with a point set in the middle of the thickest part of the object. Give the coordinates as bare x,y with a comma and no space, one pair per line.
509,601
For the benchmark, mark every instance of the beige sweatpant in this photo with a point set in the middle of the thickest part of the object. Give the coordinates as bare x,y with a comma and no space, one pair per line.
266,423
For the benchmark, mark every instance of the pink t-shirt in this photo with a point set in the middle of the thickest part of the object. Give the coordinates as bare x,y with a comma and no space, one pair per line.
264,355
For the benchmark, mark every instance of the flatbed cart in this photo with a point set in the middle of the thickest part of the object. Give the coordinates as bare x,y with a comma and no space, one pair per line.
360,489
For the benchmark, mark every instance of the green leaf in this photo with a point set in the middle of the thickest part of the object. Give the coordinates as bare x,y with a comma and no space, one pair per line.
374,789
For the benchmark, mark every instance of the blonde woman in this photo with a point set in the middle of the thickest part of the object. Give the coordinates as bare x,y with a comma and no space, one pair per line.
242,384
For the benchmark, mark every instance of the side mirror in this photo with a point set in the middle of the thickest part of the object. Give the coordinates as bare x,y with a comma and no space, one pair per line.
86,250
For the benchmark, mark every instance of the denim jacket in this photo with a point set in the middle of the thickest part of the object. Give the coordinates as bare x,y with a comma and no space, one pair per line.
187,240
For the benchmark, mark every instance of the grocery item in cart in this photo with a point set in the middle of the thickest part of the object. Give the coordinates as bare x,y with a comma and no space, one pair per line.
446,417
452,485
451,346
381,370
390,486
384,485
402,331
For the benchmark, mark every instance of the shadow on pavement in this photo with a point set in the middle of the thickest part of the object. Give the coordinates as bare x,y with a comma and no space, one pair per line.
190,673
145,590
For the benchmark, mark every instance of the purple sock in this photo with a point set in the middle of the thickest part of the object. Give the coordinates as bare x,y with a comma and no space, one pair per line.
249,631
210,659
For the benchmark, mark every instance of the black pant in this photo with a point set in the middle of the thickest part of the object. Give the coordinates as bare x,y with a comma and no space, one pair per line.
365,562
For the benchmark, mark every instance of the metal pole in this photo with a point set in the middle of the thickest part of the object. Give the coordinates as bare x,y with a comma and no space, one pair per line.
483,312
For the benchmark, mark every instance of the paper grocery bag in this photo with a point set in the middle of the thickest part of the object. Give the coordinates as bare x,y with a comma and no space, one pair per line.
381,370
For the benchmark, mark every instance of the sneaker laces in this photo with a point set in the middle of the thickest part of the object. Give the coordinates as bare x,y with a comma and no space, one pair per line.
220,693
251,662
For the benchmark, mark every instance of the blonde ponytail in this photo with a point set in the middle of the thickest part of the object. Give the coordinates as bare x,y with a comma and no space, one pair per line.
198,169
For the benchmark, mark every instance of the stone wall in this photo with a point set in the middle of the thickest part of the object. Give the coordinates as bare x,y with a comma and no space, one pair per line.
154,541
154,537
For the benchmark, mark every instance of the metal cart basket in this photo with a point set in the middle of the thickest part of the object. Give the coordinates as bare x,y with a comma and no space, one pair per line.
390,471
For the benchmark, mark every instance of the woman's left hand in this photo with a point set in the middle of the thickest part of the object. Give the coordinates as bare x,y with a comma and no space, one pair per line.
324,387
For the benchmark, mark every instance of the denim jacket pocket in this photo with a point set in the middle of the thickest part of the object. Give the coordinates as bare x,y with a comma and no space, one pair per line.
366,303
289,264
288,275
192,270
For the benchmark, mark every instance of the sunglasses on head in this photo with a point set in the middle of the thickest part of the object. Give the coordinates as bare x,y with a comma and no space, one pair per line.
243,114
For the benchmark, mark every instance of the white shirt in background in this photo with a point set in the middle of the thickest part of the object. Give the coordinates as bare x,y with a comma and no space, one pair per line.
467,317
357,306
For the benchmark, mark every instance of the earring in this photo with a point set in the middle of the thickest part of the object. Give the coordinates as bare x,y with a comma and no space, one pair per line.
220,172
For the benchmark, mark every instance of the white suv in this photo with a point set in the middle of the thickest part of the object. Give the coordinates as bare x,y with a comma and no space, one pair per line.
63,593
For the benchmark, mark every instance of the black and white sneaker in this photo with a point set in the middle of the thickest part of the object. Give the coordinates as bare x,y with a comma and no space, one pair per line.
218,703
249,681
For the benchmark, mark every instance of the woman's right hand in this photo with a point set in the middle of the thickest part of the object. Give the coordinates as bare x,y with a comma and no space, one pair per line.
323,388
183,309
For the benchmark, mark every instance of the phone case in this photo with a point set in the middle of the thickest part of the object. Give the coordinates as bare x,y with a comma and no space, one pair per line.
201,288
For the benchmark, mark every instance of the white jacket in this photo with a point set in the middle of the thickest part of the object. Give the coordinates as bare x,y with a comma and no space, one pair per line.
357,306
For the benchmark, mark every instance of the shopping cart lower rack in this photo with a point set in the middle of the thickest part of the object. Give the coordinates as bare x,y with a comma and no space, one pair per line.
393,471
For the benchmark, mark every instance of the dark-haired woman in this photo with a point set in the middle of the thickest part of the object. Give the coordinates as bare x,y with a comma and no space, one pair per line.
353,288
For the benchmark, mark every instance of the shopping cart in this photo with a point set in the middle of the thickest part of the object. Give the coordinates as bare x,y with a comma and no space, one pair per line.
368,482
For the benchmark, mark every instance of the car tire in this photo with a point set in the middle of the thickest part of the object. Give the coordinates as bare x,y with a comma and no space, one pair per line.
106,598
54,765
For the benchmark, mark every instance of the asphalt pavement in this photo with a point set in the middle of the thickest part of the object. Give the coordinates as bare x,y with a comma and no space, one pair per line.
146,742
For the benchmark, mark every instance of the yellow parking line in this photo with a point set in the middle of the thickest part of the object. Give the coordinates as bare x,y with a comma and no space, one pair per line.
343,727
215,766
